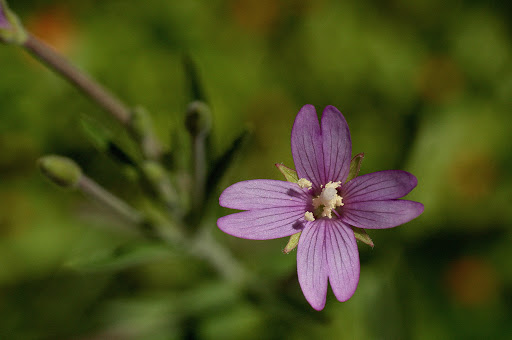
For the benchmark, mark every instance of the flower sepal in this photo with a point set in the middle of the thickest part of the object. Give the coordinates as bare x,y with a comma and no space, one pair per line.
363,236
288,173
291,176
11,29
292,243
355,166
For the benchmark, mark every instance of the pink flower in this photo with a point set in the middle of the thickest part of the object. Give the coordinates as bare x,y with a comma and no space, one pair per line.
321,205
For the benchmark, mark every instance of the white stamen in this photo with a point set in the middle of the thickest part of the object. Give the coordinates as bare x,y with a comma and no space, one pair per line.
309,216
304,183
329,199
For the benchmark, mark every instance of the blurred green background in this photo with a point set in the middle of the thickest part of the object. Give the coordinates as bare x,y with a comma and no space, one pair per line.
425,86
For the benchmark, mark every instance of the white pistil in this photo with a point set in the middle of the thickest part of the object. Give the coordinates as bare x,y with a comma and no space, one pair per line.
304,183
329,199
309,216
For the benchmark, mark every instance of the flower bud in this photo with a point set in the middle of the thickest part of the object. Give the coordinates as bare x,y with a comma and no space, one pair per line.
60,170
11,30
142,126
198,119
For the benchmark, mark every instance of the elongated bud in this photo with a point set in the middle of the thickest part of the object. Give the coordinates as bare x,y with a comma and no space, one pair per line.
157,175
11,29
142,126
60,170
198,120
154,171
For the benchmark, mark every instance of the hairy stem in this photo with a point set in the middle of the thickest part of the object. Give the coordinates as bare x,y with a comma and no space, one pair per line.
92,89
95,191
199,165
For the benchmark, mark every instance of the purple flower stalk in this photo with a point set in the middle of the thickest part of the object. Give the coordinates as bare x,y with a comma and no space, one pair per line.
321,205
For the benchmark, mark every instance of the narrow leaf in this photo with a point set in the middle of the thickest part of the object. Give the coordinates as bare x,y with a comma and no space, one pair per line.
223,162
289,174
355,166
120,258
363,236
192,78
105,142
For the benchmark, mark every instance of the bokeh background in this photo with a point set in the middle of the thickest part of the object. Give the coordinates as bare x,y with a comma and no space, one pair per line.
425,86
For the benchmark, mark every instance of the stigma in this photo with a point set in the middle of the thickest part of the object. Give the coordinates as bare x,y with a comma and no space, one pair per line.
328,199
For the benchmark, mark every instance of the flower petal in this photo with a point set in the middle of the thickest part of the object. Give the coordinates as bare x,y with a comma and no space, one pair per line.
380,214
264,224
342,259
379,186
312,264
307,146
264,193
337,146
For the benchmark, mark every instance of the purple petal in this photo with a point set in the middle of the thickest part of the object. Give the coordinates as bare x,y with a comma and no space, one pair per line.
380,214
312,264
379,186
307,146
264,193
342,259
264,224
337,146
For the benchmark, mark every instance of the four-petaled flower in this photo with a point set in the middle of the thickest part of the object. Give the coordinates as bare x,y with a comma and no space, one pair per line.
321,205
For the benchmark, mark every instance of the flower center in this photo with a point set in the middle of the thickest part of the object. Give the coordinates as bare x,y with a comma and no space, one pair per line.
324,203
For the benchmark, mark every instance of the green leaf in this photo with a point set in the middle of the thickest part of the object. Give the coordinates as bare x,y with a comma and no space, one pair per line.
95,133
120,258
355,166
289,174
192,77
223,162
103,140
363,236
292,243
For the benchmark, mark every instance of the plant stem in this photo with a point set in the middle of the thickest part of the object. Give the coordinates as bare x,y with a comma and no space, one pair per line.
94,190
204,246
199,165
92,89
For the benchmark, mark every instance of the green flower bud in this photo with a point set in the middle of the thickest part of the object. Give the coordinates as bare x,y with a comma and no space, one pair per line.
11,29
154,171
142,127
198,120
60,170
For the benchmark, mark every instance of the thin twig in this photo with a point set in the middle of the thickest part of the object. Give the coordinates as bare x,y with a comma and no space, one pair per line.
92,89
94,190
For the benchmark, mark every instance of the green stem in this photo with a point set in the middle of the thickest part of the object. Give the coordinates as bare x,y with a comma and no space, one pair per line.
199,167
94,190
92,89
204,246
